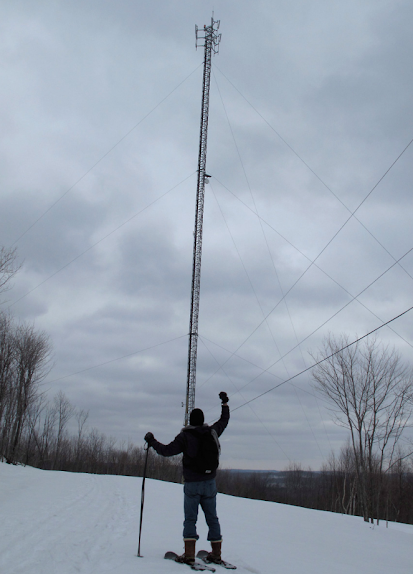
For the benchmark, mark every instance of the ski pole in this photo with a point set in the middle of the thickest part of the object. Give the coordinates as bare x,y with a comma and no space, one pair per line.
142,499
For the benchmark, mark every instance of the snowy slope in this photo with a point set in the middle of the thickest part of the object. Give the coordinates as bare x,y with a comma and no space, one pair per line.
61,523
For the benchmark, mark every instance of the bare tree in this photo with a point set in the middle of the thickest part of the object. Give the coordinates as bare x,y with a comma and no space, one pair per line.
7,361
81,417
47,433
32,350
370,391
33,441
64,412
343,485
8,267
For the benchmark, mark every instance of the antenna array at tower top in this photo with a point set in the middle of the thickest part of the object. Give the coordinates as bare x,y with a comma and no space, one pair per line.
210,36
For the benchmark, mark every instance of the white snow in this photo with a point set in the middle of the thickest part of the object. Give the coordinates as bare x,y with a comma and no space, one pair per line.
61,523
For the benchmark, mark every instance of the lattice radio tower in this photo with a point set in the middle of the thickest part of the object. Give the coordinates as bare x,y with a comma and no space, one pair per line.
209,35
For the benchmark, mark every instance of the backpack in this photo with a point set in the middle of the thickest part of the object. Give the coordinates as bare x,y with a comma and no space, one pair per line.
206,460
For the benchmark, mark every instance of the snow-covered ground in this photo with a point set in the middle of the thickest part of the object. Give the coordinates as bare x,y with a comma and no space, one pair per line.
61,523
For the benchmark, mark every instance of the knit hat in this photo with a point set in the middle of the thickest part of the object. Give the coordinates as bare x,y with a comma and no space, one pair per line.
196,418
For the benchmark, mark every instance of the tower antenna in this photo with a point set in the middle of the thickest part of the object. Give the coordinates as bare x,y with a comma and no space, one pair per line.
209,35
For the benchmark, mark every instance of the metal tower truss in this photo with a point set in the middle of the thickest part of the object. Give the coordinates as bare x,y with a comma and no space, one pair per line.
211,39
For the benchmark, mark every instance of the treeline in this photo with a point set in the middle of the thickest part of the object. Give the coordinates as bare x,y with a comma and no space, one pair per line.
43,441
335,488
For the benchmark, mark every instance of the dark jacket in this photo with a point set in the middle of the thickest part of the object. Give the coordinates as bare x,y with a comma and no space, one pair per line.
188,443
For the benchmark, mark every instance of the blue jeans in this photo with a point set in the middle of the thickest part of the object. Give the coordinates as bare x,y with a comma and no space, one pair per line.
205,494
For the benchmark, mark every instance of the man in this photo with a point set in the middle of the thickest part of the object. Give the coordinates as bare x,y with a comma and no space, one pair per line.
199,482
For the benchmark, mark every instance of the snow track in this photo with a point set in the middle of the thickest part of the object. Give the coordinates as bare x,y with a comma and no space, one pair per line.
64,523
71,526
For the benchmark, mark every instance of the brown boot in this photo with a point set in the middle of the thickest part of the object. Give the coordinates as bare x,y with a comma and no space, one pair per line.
188,557
215,554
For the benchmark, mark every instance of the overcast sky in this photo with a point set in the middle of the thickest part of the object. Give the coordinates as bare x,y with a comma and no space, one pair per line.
311,104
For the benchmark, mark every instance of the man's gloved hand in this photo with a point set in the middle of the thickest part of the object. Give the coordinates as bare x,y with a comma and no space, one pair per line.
224,397
149,438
